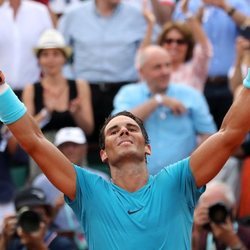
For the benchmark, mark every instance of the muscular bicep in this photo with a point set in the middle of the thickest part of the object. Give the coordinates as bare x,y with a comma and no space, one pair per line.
208,159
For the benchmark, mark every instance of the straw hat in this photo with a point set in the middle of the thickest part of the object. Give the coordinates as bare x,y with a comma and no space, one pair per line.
52,39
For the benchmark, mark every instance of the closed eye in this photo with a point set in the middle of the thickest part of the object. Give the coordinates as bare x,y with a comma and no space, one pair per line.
132,130
113,132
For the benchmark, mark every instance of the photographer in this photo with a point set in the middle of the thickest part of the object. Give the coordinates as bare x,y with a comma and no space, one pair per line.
30,228
215,225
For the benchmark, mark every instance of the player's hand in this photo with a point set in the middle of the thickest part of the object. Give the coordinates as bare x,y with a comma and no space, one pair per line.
242,46
2,78
184,6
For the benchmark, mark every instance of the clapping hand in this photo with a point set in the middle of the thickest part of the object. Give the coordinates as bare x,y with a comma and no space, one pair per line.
184,6
148,15
176,106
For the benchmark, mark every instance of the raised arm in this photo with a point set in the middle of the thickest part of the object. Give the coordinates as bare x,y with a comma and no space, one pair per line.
196,26
237,16
150,20
208,159
163,12
52,162
242,58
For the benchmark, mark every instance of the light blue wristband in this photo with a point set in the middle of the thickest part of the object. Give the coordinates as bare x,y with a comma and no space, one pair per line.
246,81
11,108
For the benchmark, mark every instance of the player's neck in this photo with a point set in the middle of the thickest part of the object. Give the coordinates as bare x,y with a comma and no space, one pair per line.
130,178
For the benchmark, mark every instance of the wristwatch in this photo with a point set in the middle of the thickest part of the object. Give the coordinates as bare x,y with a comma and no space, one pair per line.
158,98
188,16
231,11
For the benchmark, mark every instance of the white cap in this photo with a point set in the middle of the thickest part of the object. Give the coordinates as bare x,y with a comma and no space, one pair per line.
70,134
52,39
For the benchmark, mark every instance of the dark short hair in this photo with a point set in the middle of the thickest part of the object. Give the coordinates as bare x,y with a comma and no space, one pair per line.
122,113
186,33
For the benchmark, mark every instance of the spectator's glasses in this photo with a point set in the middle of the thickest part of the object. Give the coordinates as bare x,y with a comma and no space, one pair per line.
177,41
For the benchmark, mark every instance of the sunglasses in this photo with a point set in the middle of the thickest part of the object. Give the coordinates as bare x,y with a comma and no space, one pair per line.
177,41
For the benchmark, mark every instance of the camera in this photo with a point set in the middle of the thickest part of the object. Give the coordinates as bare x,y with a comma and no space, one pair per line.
28,220
218,213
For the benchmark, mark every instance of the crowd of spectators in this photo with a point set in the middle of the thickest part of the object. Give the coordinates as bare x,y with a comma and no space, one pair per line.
175,64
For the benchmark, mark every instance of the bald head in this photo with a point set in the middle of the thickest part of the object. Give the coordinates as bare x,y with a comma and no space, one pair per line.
217,191
146,54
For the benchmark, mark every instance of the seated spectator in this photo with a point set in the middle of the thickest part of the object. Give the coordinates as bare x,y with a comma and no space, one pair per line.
63,102
55,101
172,118
71,141
30,228
215,224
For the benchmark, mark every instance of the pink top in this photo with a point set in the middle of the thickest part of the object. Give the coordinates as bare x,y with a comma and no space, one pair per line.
194,72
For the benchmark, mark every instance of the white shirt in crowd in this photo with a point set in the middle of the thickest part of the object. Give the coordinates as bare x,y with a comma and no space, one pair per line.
18,37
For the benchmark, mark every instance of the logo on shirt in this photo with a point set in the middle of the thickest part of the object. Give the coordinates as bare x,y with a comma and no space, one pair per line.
134,211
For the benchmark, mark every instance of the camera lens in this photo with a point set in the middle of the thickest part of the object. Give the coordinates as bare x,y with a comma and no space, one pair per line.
218,213
29,221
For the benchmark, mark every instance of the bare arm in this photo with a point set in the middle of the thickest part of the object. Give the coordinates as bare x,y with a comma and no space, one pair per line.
52,162
81,108
144,110
203,137
28,100
208,159
238,17
150,19
162,12
242,51
195,25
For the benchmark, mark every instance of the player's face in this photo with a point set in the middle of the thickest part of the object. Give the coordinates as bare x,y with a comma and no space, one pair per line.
123,141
